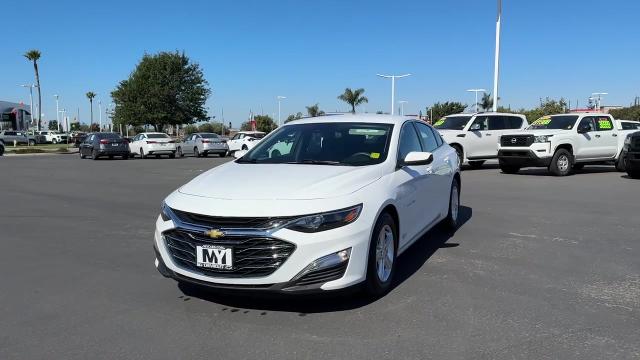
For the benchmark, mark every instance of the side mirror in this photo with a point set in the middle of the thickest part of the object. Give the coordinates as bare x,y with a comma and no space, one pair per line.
583,129
474,127
418,158
240,153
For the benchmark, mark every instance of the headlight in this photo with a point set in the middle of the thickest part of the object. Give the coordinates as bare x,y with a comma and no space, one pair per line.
165,212
325,221
542,139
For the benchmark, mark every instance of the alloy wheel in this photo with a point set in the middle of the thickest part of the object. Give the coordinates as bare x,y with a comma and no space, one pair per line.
385,249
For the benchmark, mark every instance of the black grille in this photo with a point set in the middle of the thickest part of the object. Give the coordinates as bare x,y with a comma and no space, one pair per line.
219,222
252,256
323,275
516,140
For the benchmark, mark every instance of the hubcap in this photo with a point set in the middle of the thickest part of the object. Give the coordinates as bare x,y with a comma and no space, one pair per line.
455,201
563,163
385,248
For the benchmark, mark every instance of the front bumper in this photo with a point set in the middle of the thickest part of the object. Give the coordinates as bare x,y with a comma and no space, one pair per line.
309,247
537,155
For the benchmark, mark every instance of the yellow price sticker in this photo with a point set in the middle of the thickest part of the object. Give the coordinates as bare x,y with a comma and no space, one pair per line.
542,121
604,124
439,122
374,155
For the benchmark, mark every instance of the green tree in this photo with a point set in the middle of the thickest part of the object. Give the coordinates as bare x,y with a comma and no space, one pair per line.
293,117
547,107
34,56
353,98
166,88
190,129
440,110
486,103
265,123
627,113
91,95
314,110
53,125
210,128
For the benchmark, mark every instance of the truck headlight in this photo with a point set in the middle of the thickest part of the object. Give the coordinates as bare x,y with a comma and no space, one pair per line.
325,221
542,139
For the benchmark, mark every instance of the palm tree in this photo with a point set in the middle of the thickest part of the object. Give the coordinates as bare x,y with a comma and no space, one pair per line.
314,110
34,56
353,98
487,102
90,96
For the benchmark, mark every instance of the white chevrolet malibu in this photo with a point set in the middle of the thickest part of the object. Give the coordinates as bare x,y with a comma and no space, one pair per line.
319,204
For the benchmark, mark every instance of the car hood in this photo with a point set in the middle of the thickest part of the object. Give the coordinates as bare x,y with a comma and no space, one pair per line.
281,181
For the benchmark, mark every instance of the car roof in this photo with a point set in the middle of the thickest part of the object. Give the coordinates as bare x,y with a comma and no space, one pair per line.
206,133
250,132
355,118
485,113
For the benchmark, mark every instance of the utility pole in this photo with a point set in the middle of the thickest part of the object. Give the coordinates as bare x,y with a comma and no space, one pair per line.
393,87
280,98
57,113
100,116
402,102
496,64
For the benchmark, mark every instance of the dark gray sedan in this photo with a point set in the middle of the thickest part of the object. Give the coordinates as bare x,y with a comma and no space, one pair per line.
107,144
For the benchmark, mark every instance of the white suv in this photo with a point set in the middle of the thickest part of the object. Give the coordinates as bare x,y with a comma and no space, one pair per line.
475,136
244,140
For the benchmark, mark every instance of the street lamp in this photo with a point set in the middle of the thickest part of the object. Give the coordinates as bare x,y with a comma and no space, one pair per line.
476,91
599,99
496,64
100,115
57,112
402,102
280,98
30,86
393,87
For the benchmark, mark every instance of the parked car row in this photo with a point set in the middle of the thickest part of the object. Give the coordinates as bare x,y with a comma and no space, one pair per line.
10,137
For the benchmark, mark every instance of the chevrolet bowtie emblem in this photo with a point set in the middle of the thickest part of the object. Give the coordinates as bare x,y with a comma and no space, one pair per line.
214,233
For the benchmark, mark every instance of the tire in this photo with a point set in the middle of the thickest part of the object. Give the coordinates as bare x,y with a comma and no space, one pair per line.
476,164
578,166
54,141
379,280
205,154
125,157
509,169
196,152
180,153
245,147
142,155
94,154
1,149
451,221
633,173
172,155
460,154
32,143
621,163
561,164
82,156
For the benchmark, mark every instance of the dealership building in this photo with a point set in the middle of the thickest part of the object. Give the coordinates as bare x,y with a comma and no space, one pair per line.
14,116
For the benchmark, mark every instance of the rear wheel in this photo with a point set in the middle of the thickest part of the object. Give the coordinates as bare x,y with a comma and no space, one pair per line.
620,164
180,153
32,142
382,256
196,152
94,154
81,154
476,164
561,164
142,155
454,206
172,155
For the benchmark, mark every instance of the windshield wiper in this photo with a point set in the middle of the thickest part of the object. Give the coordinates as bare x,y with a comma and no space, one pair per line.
316,162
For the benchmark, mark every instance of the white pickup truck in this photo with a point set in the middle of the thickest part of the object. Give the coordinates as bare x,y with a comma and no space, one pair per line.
563,143
474,136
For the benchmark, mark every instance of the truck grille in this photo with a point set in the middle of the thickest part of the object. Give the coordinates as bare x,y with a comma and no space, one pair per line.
516,140
252,256
220,222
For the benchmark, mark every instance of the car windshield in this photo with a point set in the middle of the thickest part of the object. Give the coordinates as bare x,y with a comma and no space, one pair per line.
157,136
558,122
346,144
209,136
452,123
108,136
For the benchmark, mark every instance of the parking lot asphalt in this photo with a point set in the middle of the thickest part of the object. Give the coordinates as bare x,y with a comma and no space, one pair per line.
542,268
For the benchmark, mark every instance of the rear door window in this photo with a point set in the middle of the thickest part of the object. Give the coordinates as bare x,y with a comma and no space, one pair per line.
497,123
513,122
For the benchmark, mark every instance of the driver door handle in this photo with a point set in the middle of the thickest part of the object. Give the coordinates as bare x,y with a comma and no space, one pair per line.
597,135
615,135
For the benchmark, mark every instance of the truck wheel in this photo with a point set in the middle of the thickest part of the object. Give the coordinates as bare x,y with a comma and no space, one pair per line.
476,164
620,164
561,163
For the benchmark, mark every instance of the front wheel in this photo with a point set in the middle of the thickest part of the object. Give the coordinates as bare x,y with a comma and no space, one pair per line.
620,164
180,153
94,154
54,141
454,206
196,152
32,143
382,256
561,164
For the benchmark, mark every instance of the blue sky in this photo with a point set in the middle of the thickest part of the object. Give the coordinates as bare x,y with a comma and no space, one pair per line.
252,51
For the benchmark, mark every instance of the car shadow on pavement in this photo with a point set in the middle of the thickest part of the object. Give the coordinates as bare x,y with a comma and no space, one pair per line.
594,169
408,264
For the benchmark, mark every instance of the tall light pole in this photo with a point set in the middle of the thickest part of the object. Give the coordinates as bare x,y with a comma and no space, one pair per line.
100,116
393,87
599,99
57,112
476,91
280,98
402,102
31,86
496,65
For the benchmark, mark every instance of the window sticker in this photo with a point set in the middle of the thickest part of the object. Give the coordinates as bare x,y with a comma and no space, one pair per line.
374,155
545,120
604,123
439,122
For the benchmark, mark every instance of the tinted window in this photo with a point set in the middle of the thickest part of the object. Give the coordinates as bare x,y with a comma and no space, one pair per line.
209,136
497,123
556,122
626,125
513,122
480,123
349,144
604,123
409,141
452,123
429,141
587,121
157,136
108,136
